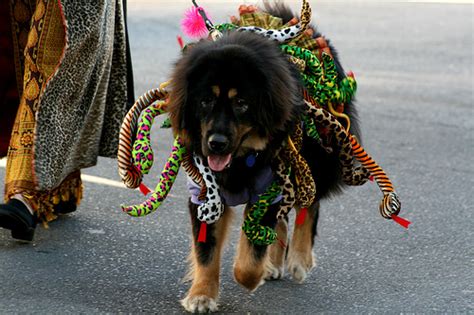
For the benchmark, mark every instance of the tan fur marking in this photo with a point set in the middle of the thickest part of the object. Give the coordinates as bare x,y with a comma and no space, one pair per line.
205,128
206,277
232,93
278,249
254,141
216,90
300,255
276,252
302,235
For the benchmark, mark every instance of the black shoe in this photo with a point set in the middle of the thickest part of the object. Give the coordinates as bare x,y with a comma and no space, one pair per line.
64,207
15,216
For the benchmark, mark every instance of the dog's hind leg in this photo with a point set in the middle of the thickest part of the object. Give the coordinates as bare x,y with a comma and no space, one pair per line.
300,259
275,265
205,264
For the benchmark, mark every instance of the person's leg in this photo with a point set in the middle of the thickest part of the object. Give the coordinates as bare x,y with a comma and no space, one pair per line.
42,53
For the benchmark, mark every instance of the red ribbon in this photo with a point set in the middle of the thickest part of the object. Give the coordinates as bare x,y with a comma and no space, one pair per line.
202,233
403,222
144,189
301,216
180,41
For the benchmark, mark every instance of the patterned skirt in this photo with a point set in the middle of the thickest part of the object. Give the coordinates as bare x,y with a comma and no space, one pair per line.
72,95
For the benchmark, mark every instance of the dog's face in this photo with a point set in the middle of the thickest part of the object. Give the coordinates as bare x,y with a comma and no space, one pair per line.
232,96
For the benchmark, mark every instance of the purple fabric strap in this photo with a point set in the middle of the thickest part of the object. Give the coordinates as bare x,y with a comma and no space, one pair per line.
248,194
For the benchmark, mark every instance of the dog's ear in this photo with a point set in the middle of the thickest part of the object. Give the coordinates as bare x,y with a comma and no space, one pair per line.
182,107
178,99
177,105
279,101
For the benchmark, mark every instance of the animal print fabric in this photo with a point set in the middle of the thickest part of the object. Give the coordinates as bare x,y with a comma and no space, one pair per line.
351,174
390,203
142,150
166,181
285,34
130,175
211,210
87,93
320,77
257,233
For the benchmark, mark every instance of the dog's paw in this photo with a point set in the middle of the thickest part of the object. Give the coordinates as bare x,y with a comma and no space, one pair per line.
199,304
273,272
300,265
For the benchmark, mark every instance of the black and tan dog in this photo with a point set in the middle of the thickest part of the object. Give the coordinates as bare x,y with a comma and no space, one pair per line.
234,100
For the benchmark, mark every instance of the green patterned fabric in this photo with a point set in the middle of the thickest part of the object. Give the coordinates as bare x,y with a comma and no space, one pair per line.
310,128
320,77
256,233
142,152
226,27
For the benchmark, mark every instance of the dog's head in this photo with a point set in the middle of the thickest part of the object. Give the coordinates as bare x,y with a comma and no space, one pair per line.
231,96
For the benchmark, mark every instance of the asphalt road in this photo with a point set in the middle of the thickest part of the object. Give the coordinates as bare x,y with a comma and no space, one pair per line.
414,67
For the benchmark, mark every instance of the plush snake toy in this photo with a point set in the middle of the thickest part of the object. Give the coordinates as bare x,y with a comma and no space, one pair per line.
323,93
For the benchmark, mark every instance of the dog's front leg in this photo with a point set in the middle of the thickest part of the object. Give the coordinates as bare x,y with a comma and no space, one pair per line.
251,260
205,264
277,252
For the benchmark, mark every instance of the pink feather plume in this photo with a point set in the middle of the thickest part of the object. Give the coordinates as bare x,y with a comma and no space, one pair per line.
193,24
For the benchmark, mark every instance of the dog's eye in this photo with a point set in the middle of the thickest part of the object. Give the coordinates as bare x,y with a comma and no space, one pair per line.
241,105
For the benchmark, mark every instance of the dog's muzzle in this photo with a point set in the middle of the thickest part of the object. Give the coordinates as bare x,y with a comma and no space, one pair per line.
218,144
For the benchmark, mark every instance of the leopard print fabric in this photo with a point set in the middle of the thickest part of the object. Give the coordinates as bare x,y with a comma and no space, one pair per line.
87,93
305,185
351,175
282,171
306,13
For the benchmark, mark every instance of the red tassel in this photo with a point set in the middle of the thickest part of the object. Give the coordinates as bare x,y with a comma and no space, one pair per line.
301,216
144,189
180,41
403,222
371,178
202,233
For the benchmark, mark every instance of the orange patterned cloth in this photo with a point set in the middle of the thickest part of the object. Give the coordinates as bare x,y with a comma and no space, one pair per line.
39,41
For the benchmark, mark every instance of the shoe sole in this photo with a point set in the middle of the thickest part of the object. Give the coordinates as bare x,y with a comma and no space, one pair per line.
20,229
24,234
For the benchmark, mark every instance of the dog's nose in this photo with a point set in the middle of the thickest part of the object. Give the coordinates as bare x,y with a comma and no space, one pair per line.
218,143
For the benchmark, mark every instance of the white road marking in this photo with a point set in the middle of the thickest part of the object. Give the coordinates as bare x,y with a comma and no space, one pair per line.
94,179
102,181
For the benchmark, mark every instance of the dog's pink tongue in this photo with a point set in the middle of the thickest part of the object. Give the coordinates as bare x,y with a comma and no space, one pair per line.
218,162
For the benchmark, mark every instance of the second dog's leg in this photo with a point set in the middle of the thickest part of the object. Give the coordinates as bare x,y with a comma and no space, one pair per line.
300,255
205,264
